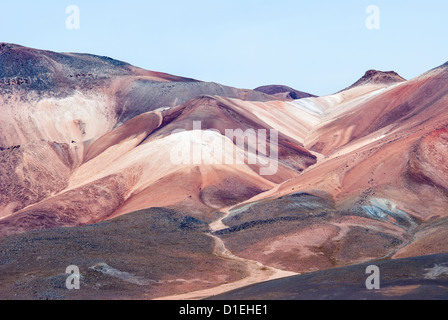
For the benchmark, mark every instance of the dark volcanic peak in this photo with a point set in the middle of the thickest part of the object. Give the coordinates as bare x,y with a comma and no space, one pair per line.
284,92
16,60
46,70
445,65
42,70
378,77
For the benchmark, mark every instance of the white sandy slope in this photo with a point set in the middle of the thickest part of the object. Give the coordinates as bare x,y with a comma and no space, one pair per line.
156,159
79,117
86,117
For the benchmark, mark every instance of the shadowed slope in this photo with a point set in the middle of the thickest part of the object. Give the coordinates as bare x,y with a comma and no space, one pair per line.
142,95
125,169
418,278
284,92
142,255
30,173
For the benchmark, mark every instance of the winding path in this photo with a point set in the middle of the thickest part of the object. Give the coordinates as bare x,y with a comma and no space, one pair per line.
256,271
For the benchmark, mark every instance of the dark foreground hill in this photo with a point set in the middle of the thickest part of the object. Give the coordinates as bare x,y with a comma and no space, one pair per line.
417,278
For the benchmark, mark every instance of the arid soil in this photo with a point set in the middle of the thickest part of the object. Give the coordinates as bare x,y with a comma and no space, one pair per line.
417,278
143,255
89,149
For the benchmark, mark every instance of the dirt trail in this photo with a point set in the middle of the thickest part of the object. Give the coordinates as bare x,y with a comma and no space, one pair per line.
256,271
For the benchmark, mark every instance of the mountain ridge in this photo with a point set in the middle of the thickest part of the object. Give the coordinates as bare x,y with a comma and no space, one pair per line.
359,175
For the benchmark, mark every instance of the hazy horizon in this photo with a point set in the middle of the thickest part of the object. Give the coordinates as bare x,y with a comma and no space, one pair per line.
320,47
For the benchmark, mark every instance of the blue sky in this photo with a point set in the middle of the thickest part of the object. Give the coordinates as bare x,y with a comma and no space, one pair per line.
315,46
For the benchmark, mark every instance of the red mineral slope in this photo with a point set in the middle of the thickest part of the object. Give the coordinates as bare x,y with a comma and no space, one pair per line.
360,174
382,144
385,155
67,97
116,124
132,167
